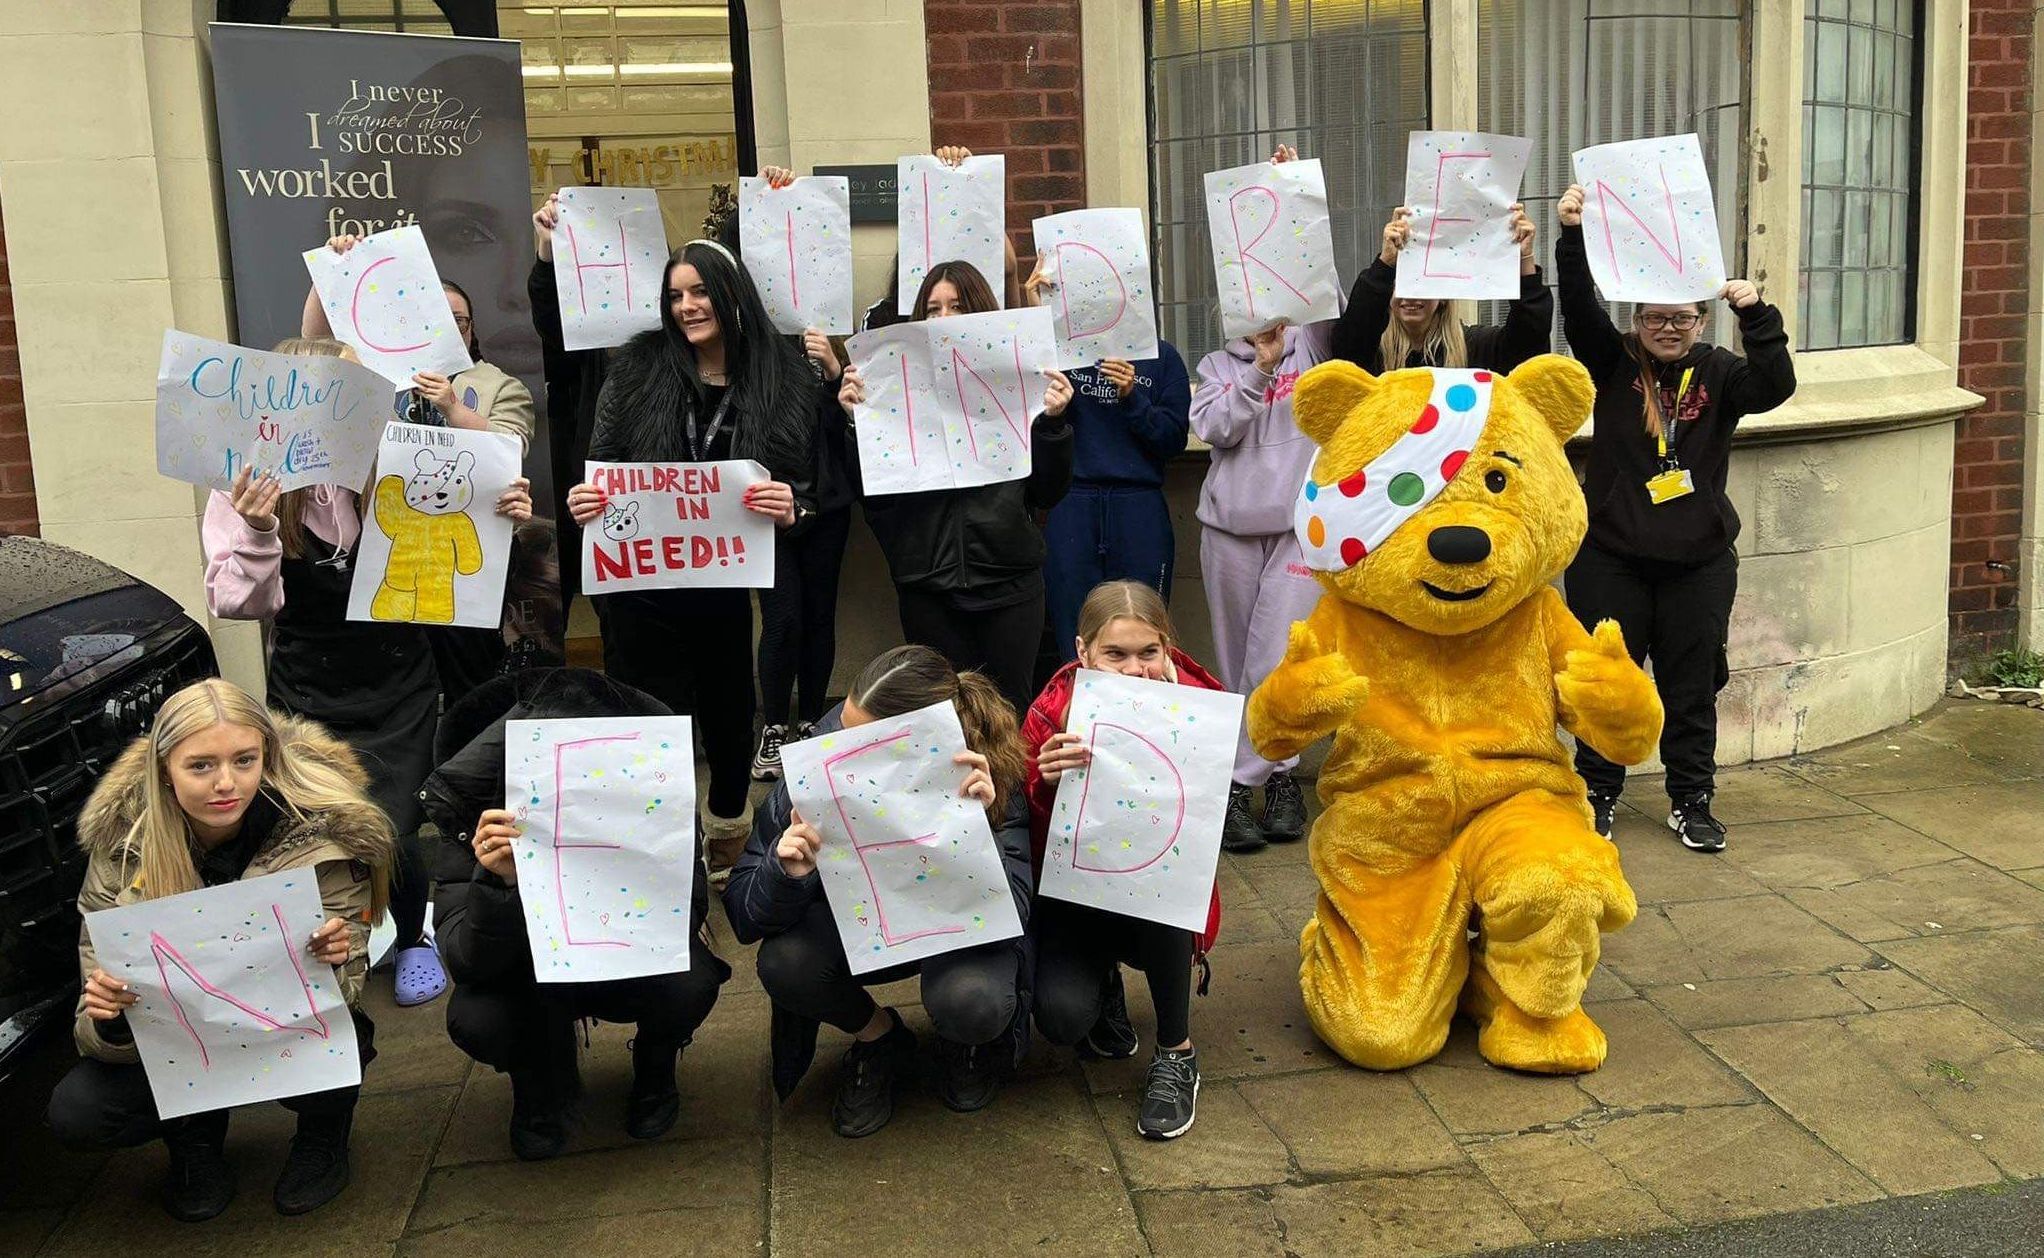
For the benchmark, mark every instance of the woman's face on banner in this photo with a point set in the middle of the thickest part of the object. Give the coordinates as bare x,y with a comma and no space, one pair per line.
689,302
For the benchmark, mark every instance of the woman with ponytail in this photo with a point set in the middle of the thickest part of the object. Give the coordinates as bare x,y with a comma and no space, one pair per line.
1380,331
1658,556
218,791
971,996
714,381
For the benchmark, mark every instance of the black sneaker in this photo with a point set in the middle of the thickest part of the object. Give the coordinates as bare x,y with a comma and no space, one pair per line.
316,1169
865,1089
766,762
1172,1093
200,1182
1241,832
1605,808
803,731
541,1106
1113,1037
969,1075
1284,809
654,1102
1699,831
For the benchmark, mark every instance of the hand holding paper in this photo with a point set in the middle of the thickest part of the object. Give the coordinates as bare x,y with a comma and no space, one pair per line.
382,296
1097,265
1273,250
610,264
1649,220
950,211
796,239
1462,187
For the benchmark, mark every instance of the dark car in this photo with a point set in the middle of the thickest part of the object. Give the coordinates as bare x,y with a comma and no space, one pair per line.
87,653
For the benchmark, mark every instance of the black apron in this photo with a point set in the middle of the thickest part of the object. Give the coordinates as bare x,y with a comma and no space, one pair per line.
371,684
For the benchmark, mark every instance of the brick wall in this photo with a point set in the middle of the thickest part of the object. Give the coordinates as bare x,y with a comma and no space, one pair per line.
1004,78
17,476
1987,476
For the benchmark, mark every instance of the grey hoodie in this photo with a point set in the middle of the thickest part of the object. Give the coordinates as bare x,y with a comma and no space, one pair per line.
1260,457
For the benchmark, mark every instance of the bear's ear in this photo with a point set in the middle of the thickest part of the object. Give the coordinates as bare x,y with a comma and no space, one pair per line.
632,509
463,462
425,461
1324,396
1559,388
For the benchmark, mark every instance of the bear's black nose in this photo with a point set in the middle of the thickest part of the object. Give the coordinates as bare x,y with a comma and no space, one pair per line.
1458,543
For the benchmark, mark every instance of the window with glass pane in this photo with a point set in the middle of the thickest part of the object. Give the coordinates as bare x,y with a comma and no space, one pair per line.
1343,80
1568,74
1859,173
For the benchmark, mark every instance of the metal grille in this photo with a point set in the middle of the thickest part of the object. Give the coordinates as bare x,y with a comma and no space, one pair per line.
1859,173
1343,80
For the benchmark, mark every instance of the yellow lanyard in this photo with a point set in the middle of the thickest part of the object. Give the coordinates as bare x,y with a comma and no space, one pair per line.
1681,392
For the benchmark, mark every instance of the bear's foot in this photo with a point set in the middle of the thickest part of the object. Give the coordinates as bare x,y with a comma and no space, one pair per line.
1508,1036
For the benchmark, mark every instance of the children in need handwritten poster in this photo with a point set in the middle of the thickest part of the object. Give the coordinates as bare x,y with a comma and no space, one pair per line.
674,526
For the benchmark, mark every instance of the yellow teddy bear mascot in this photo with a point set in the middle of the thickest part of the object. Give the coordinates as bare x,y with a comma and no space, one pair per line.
1440,508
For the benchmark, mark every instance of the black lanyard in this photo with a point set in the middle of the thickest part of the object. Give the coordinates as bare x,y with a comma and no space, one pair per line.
699,454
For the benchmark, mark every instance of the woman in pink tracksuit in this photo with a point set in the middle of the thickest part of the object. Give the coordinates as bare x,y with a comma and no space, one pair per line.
1257,583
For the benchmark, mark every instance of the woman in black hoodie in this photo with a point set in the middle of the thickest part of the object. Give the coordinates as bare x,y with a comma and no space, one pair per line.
714,381
1658,557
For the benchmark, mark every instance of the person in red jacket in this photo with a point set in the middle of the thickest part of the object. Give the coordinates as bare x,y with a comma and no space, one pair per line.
1123,628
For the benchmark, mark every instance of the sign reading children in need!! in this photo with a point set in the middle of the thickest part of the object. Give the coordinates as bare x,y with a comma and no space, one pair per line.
672,526
1650,223
1098,262
949,403
1460,187
610,259
1273,250
305,419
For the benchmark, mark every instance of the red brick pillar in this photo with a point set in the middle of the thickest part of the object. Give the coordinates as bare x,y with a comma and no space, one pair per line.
1004,78
1987,473
17,473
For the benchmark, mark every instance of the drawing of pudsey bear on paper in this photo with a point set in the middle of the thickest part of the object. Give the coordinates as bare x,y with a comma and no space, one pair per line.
434,551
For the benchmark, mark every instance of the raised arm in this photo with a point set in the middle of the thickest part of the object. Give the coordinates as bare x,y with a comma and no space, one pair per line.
1766,376
1361,325
1592,337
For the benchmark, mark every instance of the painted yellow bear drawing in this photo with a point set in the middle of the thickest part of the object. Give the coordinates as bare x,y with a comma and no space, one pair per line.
1440,508
431,539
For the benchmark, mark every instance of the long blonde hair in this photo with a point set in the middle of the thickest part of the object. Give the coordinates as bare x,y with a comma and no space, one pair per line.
909,678
291,506
301,785
1441,344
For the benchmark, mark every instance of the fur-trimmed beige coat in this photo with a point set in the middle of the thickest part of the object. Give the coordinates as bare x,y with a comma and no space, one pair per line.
345,845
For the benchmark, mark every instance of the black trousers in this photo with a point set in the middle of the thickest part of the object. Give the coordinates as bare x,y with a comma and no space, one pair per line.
798,619
1077,947
532,1025
1679,616
970,994
105,1105
1000,642
692,650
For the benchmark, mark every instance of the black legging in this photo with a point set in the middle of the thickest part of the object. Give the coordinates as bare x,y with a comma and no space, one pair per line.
409,890
514,1026
1076,948
692,650
1000,642
969,994
798,619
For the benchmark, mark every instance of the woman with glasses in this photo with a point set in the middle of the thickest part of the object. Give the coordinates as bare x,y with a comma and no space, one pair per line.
1658,557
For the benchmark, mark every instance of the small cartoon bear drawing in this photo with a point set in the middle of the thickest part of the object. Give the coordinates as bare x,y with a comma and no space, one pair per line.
431,539
621,521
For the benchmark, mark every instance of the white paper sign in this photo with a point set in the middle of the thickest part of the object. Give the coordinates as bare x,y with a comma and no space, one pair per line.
949,402
606,807
610,264
233,1008
1099,262
434,551
1273,250
951,214
308,419
1138,831
677,526
1460,187
909,866
1650,223
384,298
797,245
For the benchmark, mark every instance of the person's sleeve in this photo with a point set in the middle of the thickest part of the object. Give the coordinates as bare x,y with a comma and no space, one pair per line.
605,440
762,898
802,479
1050,462
1223,407
112,1040
1584,321
347,891
244,567
1529,323
478,920
545,296
1037,729
511,412
1012,836
1160,417
1361,324
1766,376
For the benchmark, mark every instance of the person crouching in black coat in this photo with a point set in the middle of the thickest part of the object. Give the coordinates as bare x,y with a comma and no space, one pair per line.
500,1014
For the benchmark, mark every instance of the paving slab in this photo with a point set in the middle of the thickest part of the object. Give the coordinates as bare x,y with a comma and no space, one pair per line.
1957,895
592,1185
2005,736
23,1231
1229,1147
1605,985
2000,823
1744,1001
412,1048
1352,1122
393,1142
1474,1097
1831,851
1653,1062
1414,1217
1750,937
1563,1188
1662,871
1994,971
1882,986
1745,796
1895,761
713,1230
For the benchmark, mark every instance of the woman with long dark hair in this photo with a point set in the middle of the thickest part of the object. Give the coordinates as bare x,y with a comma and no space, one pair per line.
713,381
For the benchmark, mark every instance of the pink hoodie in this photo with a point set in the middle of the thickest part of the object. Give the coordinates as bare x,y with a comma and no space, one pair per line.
1260,458
244,567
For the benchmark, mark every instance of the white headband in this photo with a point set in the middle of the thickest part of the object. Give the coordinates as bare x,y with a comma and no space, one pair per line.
703,240
1342,521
